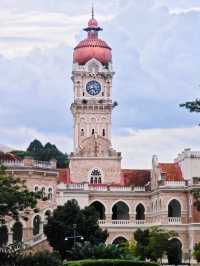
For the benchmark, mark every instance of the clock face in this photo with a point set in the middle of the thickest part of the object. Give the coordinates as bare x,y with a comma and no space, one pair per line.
93,87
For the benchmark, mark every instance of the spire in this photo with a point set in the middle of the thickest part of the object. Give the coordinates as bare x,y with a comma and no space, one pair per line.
93,27
92,9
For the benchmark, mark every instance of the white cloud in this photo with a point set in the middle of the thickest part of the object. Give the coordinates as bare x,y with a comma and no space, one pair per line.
20,33
20,138
138,147
156,58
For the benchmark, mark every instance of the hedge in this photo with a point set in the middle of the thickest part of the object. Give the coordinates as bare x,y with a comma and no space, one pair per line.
107,262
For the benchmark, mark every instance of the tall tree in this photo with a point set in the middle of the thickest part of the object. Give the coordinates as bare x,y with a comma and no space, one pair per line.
152,243
142,239
62,223
14,196
158,243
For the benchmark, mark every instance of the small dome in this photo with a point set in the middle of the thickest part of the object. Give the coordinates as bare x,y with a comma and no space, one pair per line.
92,23
92,46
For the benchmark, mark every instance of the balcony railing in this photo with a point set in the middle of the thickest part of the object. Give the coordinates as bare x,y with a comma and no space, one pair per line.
102,187
140,221
174,220
172,184
171,220
28,164
37,238
120,222
101,222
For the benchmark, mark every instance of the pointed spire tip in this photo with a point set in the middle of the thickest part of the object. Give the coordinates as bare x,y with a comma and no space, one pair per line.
92,9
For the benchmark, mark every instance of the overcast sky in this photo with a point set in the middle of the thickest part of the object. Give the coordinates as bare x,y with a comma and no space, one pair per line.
156,56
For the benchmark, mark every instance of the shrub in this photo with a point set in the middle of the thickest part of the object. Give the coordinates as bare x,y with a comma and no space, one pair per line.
196,252
102,251
109,263
40,259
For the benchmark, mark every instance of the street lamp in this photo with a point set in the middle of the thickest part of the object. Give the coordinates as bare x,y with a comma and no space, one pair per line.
75,236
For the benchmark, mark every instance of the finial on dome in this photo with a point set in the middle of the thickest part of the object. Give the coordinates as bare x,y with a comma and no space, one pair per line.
92,9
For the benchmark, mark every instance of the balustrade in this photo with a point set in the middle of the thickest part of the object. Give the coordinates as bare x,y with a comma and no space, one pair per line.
174,220
120,222
140,221
37,238
33,163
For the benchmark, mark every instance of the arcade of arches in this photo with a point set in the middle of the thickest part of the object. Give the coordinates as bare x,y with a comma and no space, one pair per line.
120,210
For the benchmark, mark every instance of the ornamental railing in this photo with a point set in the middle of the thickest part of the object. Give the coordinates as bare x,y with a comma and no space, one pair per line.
102,187
29,163
120,222
172,184
174,220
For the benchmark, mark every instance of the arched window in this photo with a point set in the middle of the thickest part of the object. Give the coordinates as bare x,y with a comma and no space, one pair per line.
3,235
120,211
140,212
100,209
17,232
50,193
104,132
93,131
174,208
43,192
36,225
82,132
96,177
36,189
119,240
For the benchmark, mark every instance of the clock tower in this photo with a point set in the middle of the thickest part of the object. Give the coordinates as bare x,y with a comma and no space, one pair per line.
93,159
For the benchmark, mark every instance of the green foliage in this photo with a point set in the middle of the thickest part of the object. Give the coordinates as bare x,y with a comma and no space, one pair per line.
158,242
142,239
40,259
174,252
14,196
101,251
152,243
196,252
44,153
60,225
110,262
129,248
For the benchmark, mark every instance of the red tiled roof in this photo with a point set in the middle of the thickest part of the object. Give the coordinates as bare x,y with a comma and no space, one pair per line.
64,176
172,171
137,178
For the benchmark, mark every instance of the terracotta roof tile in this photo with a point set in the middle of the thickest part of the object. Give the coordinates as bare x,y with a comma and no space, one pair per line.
134,177
171,171
64,176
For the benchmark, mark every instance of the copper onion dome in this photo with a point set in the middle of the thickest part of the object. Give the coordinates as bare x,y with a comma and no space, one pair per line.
92,46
